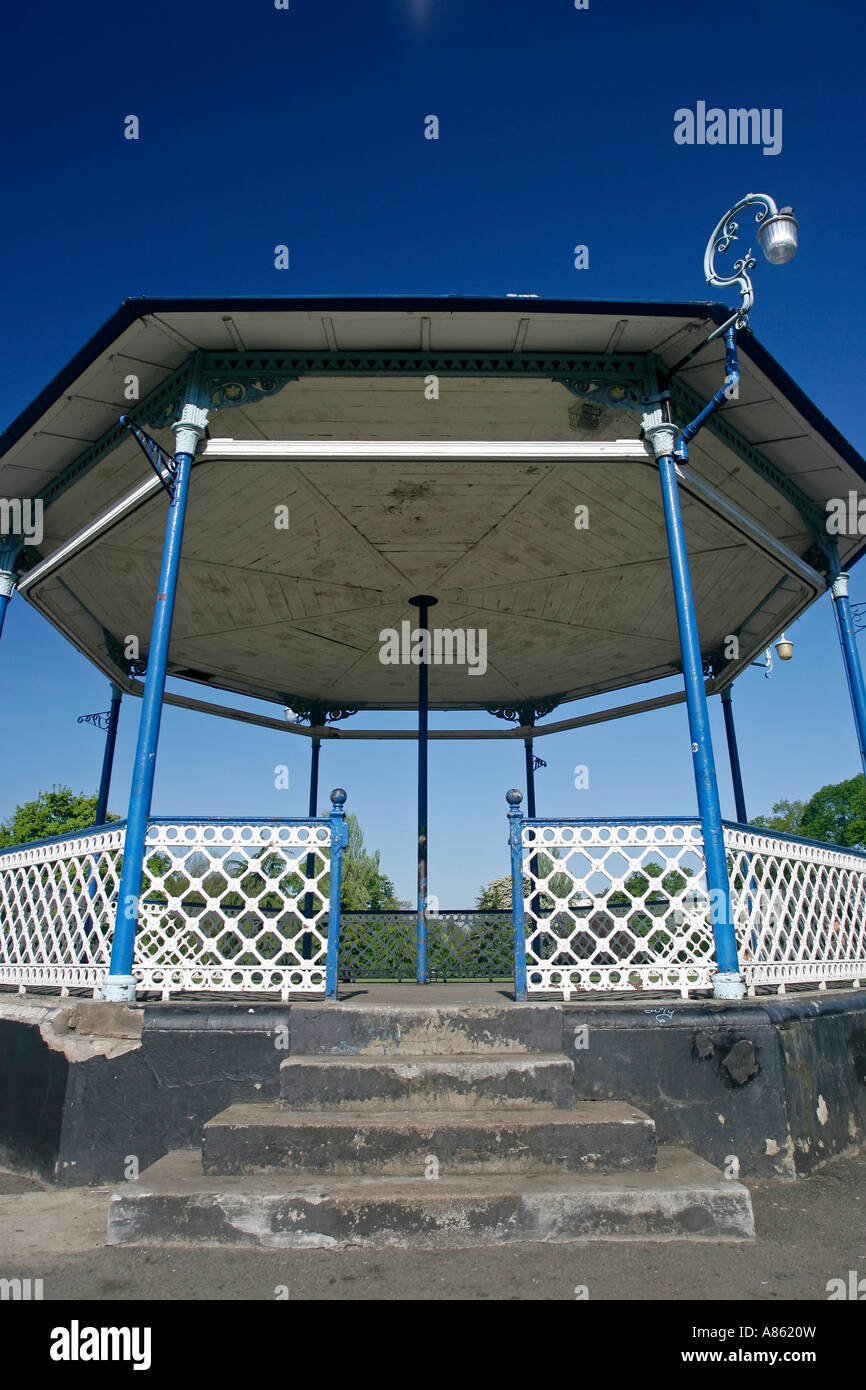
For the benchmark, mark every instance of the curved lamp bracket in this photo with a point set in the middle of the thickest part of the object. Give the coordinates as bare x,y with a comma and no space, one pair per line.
726,232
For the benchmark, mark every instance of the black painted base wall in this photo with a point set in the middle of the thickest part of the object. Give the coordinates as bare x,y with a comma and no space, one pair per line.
76,1122
779,1084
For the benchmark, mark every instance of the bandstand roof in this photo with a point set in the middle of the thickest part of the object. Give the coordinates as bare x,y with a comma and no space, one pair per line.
320,406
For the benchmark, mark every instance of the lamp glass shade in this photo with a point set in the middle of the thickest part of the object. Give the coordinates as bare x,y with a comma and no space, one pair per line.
784,649
778,237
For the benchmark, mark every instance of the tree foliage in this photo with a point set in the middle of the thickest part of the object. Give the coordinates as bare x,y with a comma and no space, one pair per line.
364,887
836,814
496,897
55,812
786,816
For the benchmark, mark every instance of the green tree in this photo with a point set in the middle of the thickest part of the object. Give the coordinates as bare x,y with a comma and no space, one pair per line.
837,814
786,816
54,812
496,897
364,888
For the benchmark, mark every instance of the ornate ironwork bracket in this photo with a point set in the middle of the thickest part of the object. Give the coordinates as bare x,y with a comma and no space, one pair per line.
318,715
615,395
525,714
242,388
99,721
160,460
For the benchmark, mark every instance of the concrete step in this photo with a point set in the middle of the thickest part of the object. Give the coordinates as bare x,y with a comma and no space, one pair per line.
511,1081
684,1199
365,1030
591,1135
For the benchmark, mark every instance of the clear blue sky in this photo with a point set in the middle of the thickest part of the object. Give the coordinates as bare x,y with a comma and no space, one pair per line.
305,127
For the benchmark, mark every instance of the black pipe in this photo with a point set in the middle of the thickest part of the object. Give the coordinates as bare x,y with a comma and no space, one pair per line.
423,602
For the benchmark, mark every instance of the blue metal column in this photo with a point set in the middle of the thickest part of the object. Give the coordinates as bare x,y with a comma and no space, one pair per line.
423,602
119,984
515,840
670,445
10,547
851,657
108,755
727,983
661,435
339,840
734,755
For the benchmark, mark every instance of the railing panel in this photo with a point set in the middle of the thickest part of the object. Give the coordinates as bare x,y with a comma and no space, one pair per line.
619,905
622,905
800,908
231,906
225,906
461,945
57,906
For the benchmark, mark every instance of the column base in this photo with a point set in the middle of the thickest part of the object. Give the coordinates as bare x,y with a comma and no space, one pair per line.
729,985
118,989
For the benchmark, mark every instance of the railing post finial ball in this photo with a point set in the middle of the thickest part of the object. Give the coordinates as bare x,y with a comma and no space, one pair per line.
338,796
514,797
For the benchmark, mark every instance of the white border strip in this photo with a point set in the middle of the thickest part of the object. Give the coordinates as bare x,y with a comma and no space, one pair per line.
496,450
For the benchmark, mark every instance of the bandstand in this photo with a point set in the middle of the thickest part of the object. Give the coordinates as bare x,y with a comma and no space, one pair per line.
502,506
493,505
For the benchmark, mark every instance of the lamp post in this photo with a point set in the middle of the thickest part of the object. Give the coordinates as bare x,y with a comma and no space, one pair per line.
777,236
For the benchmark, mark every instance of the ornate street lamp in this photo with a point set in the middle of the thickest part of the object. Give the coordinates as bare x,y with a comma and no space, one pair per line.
778,236
778,231
784,649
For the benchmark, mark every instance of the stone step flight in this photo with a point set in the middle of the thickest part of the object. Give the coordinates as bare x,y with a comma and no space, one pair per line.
430,1127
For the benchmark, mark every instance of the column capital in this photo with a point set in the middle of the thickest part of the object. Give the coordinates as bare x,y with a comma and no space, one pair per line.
660,436
190,429
839,587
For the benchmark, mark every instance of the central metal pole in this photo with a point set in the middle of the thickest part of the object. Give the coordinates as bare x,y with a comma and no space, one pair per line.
423,602
529,750
314,778
734,755
307,940
108,755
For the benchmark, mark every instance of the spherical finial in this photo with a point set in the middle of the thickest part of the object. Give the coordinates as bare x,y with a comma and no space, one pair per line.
514,797
338,796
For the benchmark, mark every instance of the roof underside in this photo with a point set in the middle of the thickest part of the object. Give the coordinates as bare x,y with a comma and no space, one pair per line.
297,613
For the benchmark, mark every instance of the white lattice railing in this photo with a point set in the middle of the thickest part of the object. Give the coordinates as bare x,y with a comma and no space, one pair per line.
226,906
800,908
623,906
615,906
57,906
